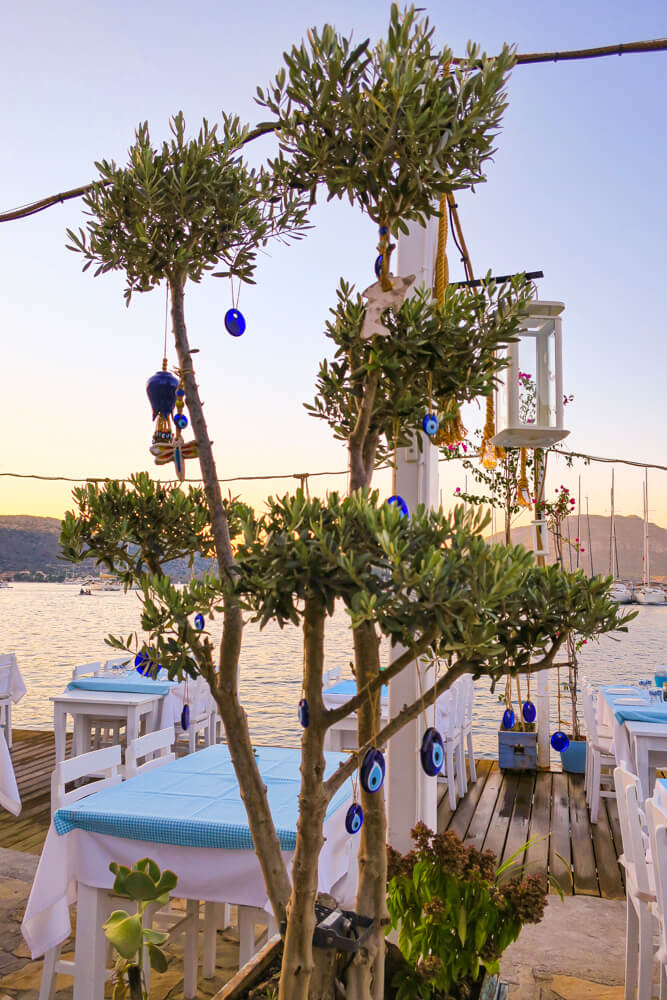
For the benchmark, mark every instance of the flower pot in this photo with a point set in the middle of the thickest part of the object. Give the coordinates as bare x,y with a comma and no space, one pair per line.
573,758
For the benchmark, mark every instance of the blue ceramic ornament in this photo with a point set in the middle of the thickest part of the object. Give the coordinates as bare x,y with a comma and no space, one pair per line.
372,771
508,718
559,741
304,713
142,663
432,752
354,818
528,711
430,424
378,266
383,230
181,421
235,322
199,622
185,717
400,503
161,391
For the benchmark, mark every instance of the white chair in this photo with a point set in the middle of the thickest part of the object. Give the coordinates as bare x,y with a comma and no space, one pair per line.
639,888
86,670
657,830
118,662
465,711
598,759
7,665
103,731
201,730
449,725
153,748
105,762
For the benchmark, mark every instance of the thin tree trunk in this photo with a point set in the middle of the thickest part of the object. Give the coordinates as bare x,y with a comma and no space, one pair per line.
366,974
224,686
297,965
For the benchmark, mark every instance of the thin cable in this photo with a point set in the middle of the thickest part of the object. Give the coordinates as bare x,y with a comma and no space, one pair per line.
166,315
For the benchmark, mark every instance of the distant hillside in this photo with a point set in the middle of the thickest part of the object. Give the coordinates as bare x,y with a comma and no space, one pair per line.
29,549
629,544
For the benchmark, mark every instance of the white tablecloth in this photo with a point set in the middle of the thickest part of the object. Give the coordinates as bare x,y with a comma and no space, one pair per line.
9,793
11,681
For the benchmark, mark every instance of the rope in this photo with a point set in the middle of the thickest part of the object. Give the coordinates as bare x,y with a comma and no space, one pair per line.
451,429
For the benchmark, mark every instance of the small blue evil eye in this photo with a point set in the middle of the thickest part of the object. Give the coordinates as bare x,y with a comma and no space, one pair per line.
528,711
383,230
181,421
199,622
430,424
378,266
432,752
400,503
372,771
559,741
180,393
303,713
354,818
508,718
185,717
235,322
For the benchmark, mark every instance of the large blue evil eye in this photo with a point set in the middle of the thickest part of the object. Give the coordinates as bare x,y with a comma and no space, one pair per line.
529,711
400,503
354,818
234,322
142,663
199,622
432,752
181,421
162,392
559,741
304,713
372,771
378,266
508,718
185,717
430,424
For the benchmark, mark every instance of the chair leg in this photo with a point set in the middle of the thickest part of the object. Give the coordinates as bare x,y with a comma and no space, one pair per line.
191,957
471,758
631,951
47,989
645,979
461,778
663,982
450,776
595,788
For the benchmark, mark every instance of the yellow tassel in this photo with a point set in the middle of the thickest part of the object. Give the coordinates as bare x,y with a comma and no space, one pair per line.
523,497
451,429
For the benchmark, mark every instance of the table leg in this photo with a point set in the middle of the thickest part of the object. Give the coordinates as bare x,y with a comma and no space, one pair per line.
132,723
91,945
641,760
59,723
191,957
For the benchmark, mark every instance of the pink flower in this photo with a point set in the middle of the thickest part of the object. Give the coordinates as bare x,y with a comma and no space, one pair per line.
582,549
576,539
458,489
584,642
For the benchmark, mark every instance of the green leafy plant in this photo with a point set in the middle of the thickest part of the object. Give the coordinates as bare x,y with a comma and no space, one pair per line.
144,884
456,913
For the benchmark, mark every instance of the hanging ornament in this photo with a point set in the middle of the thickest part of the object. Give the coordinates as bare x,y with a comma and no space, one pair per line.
199,622
372,771
185,717
559,741
354,818
430,424
235,322
303,712
142,663
161,391
176,450
523,497
528,711
400,503
378,266
432,752
508,718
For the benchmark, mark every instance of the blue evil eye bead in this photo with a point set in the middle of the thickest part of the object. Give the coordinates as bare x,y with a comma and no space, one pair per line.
528,711
508,718
161,392
372,771
383,230
430,424
142,663
378,266
400,503
303,713
185,717
559,741
180,393
354,818
181,421
199,622
235,322
432,752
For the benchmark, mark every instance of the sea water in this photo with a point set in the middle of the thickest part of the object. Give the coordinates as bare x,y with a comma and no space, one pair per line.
52,628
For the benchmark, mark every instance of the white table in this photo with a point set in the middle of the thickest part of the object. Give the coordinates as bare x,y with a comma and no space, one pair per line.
131,709
194,799
641,744
12,687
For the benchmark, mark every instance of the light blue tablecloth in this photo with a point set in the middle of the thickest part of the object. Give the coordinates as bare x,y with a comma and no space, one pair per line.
349,689
648,712
128,681
196,801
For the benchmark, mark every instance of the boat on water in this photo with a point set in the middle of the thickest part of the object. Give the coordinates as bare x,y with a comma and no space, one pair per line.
4,585
105,583
649,595
620,594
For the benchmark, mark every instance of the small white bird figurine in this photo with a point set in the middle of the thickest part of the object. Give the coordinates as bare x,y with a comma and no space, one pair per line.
379,300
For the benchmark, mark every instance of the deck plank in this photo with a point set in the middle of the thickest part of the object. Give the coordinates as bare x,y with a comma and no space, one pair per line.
479,824
583,856
519,826
502,815
559,846
466,808
537,855
609,870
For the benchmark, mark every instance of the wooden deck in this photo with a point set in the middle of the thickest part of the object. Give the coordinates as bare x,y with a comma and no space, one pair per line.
503,810
500,812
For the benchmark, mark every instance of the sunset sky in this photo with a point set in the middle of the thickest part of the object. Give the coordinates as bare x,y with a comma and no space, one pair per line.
576,190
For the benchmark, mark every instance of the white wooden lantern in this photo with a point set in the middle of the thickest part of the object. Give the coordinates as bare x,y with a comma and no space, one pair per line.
535,370
540,538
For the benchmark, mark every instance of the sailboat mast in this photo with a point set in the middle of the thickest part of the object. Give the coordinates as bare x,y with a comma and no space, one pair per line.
612,529
647,565
590,545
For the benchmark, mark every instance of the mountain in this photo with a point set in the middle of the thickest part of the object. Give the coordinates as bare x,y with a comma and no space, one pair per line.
629,545
30,550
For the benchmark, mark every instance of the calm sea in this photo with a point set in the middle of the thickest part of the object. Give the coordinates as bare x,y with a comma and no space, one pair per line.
51,629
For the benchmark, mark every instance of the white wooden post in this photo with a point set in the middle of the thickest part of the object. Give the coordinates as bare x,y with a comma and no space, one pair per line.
412,795
542,702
